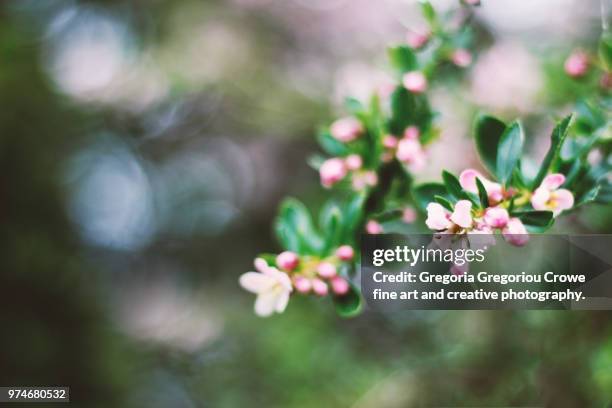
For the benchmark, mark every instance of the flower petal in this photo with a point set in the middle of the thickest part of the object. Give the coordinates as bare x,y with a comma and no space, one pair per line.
437,217
564,199
539,199
281,301
515,232
553,181
462,215
265,304
256,282
467,179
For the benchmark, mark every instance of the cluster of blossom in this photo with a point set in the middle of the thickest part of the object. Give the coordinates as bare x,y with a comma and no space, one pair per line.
273,284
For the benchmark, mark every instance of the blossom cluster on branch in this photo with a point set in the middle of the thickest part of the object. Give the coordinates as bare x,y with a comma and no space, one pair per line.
374,151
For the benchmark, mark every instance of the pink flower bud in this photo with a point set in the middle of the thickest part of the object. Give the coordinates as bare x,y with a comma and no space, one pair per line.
576,64
302,284
412,132
461,58
353,162
416,40
371,178
496,217
409,215
345,253
390,142
332,171
373,227
319,287
339,286
415,82
326,270
346,129
515,232
287,261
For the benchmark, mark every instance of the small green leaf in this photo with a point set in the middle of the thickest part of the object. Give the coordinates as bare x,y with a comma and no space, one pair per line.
482,194
556,141
605,50
535,218
352,105
402,58
588,196
295,229
509,152
408,109
453,186
487,132
350,304
443,202
331,145
428,12
424,194
269,258
604,196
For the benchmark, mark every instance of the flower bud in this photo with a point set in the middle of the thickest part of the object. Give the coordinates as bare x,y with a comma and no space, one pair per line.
340,286
496,217
345,253
415,82
319,287
326,270
390,142
576,64
461,58
302,284
373,227
515,232
346,129
287,261
417,40
412,132
353,162
332,171
409,215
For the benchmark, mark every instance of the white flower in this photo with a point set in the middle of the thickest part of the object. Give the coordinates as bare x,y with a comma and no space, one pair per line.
271,286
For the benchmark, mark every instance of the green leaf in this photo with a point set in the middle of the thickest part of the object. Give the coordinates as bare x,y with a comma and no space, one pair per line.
408,109
604,196
428,12
540,219
443,202
331,145
509,152
588,196
453,186
487,132
269,258
482,194
352,105
295,229
424,194
402,58
350,304
605,50
556,140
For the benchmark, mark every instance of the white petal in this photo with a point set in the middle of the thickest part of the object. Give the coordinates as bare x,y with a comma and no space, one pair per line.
437,217
553,181
281,301
266,303
256,282
564,199
462,215
540,198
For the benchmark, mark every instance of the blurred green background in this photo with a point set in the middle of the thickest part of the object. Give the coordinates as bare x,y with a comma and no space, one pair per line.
144,147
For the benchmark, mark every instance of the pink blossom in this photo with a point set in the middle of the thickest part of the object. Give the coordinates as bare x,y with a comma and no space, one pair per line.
440,219
346,129
576,64
467,179
409,151
345,253
461,57
415,82
319,287
302,284
271,286
287,260
332,171
417,40
390,142
353,162
462,214
496,217
339,286
364,179
409,215
373,227
515,232
326,270
412,132
549,197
